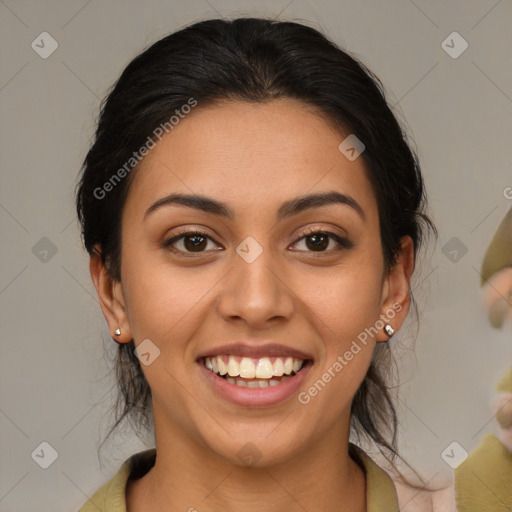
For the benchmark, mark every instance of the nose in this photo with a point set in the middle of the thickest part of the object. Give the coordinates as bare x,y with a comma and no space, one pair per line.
256,293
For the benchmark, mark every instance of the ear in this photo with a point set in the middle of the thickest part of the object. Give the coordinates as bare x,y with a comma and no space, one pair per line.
396,297
111,298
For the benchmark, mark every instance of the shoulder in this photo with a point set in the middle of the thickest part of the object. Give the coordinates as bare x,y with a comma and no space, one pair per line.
484,478
399,495
381,495
111,496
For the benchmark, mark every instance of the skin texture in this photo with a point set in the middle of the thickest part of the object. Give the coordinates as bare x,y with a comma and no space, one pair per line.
252,157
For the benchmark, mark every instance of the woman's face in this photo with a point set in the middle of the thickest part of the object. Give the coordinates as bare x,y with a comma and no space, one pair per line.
252,284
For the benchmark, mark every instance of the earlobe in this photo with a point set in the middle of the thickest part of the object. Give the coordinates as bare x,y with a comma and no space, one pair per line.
395,291
111,299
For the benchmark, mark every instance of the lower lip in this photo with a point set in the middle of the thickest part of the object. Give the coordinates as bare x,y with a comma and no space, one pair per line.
256,397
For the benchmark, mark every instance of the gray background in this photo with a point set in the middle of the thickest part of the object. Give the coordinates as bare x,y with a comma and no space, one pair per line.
54,376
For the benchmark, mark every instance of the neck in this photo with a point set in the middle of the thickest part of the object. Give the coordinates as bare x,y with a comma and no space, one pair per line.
189,476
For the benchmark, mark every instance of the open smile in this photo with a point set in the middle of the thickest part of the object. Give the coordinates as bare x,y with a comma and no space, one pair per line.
263,381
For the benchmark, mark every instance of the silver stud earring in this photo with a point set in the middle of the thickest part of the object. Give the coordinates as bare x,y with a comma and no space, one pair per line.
389,330
117,332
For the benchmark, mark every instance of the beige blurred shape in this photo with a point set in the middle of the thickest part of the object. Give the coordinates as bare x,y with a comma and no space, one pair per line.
496,274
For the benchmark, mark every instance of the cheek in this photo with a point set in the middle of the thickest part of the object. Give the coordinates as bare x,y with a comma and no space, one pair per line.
160,298
164,305
344,307
346,302
346,299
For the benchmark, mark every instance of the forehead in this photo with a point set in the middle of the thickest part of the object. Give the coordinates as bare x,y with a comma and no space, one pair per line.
250,155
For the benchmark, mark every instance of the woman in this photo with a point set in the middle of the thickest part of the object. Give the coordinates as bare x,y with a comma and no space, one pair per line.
252,211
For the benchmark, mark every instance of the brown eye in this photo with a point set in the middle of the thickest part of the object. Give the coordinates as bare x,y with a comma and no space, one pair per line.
189,242
319,241
194,243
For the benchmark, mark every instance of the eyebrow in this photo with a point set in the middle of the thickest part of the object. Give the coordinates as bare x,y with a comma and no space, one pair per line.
287,209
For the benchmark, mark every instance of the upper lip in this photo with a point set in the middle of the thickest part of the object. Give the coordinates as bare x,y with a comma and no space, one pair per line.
256,351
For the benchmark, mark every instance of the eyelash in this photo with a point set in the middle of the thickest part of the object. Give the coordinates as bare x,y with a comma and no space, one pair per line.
343,242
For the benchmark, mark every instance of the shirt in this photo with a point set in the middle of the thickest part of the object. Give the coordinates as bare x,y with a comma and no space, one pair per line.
380,491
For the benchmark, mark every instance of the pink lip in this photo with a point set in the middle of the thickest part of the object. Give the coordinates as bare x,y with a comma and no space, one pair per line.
256,351
255,397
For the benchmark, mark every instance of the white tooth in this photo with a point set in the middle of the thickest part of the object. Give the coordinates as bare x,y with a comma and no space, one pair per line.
297,364
288,365
278,367
215,368
233,368
223,369
253,384
231,380
241,382
208,363
247,368
264,368
263,384
273,382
